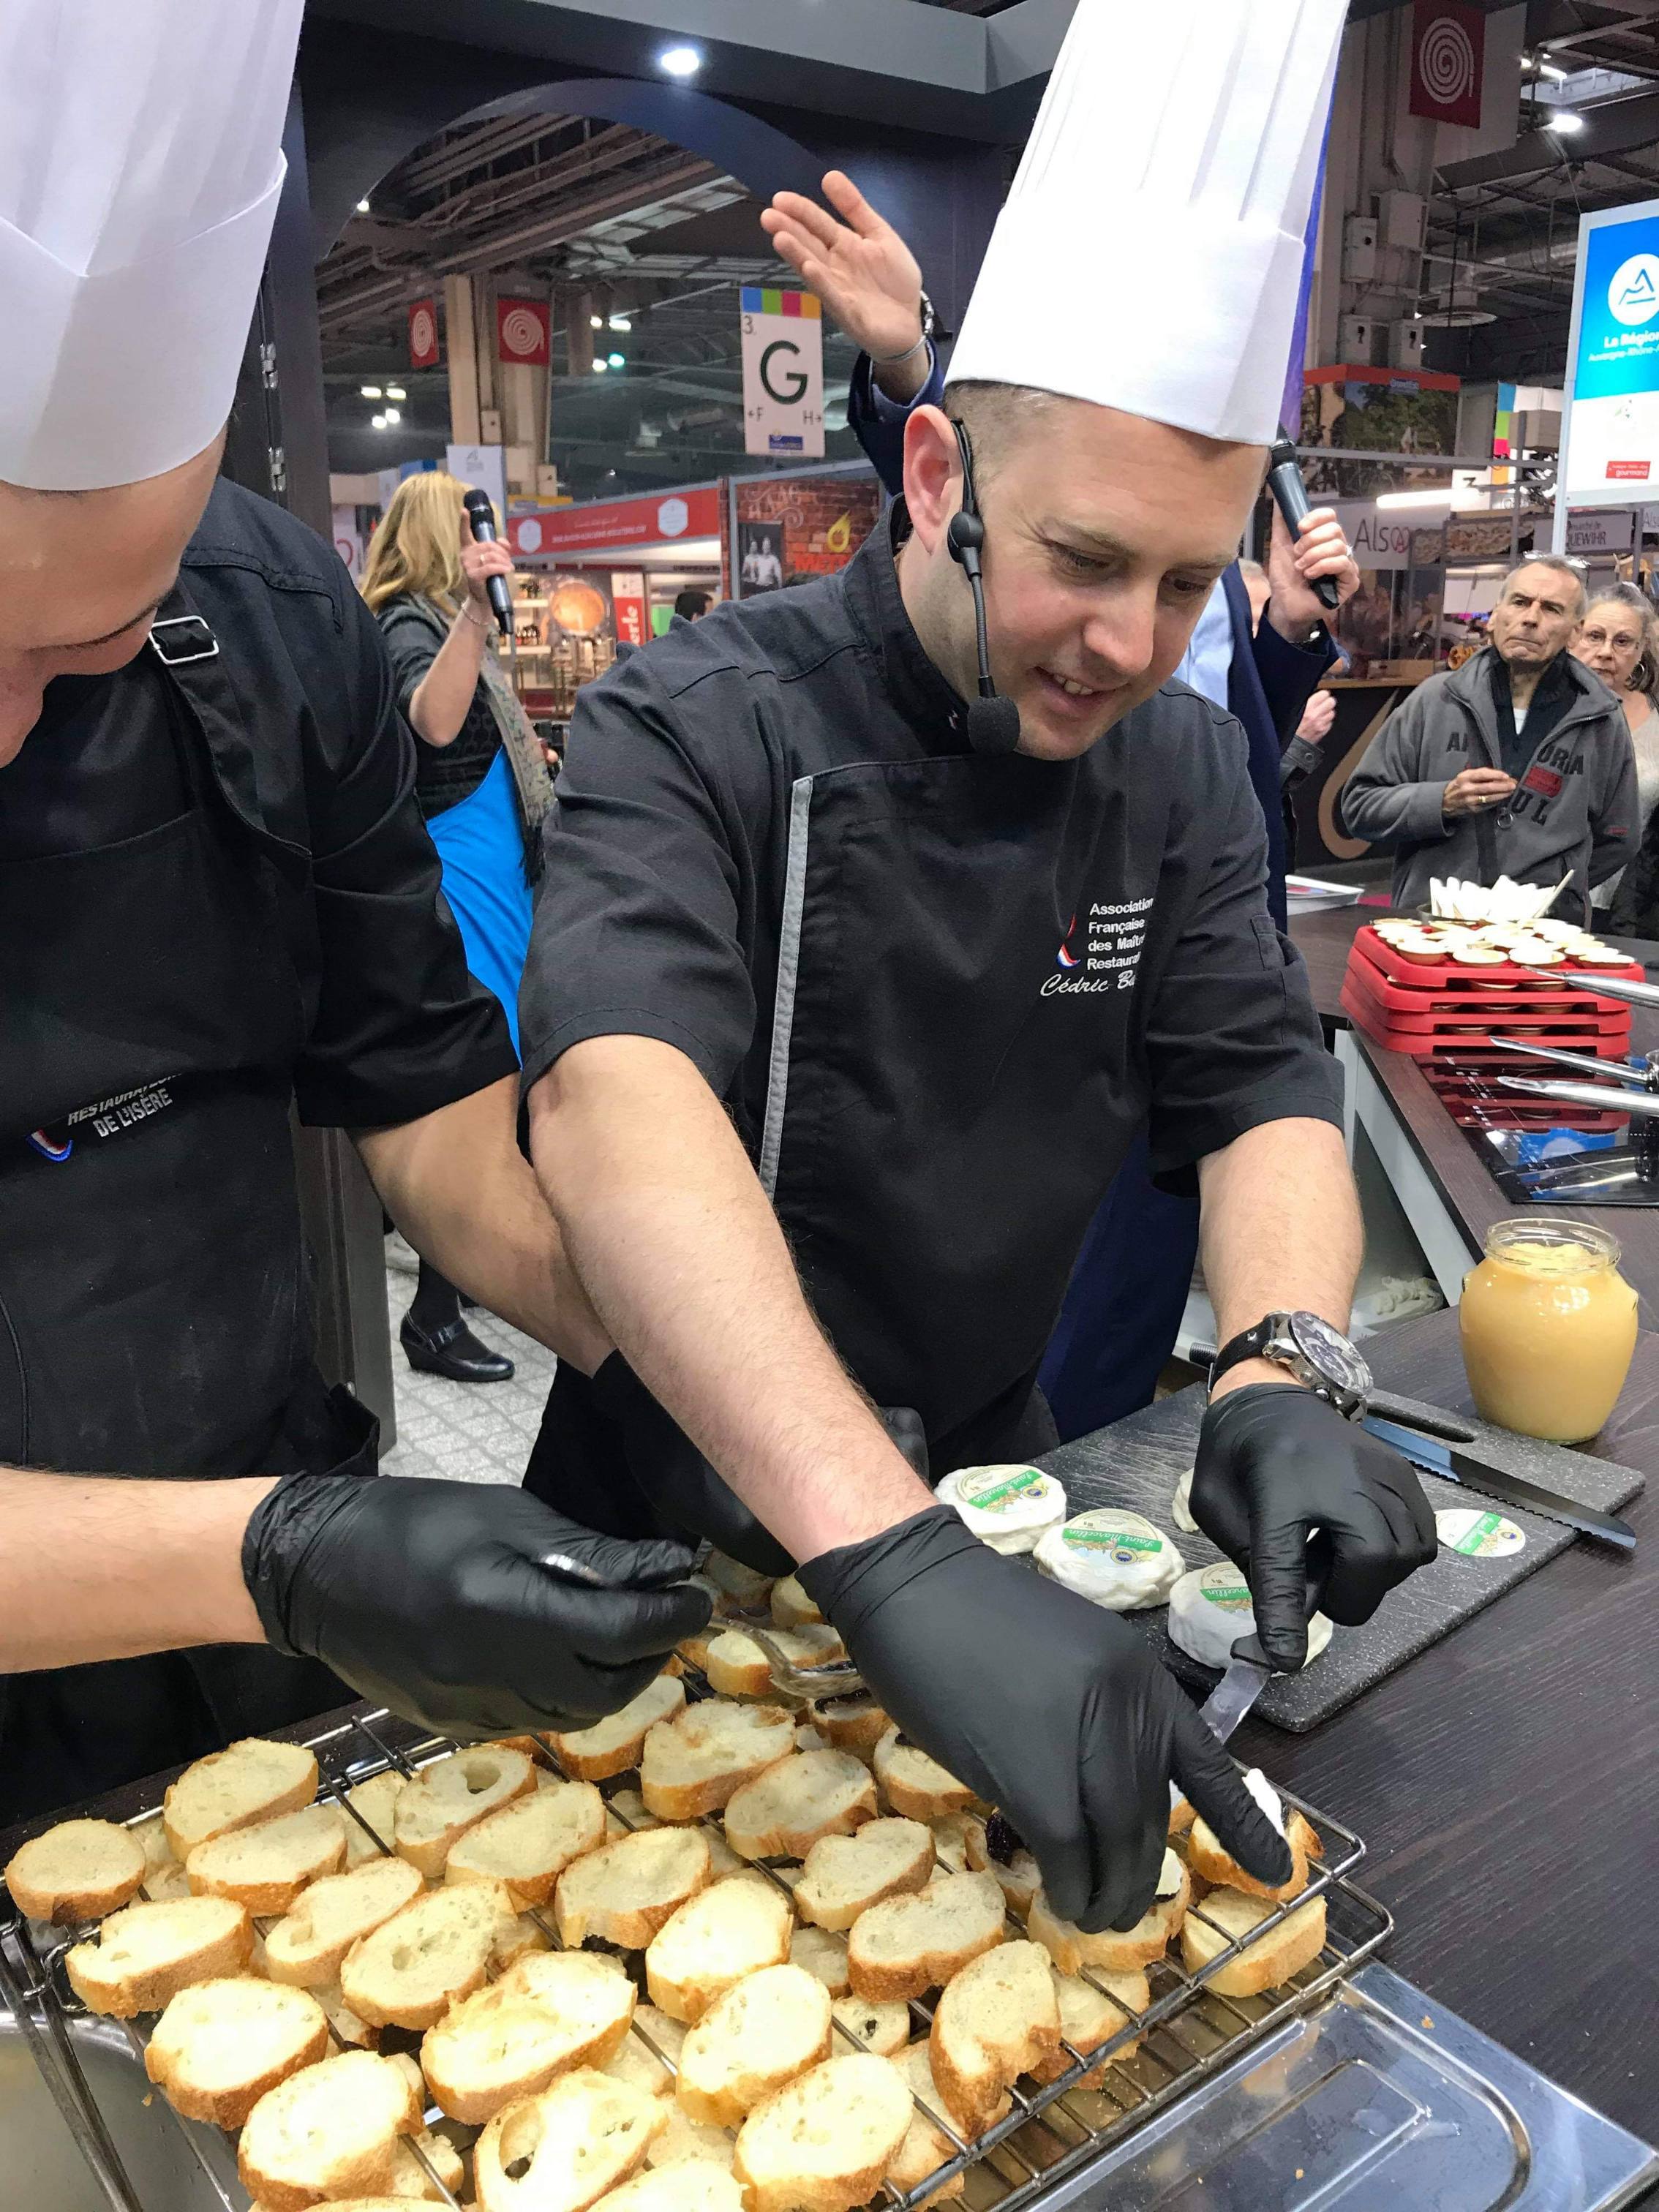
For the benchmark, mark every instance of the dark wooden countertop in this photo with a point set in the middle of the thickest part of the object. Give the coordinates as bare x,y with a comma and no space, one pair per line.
1469,1193
1507,1782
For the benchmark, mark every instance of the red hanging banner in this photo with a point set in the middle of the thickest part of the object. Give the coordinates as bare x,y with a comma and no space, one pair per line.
522,331
423,334
1449,55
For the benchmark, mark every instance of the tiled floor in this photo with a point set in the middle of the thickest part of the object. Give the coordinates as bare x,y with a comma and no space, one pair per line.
466,1431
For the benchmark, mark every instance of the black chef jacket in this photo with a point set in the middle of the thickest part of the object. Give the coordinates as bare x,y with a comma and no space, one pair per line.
939,992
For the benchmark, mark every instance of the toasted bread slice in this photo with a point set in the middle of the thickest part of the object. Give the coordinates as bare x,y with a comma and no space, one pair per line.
144,1954
626,1812
308,1946
1217,1867
410,1969
624,1892
846,1875
612,1746
738,1668
355,2035
220,2045
914,1784
808,1739
685,2141
650,2054
164,1876
1018,1872
327,2131
791,1607
784,1811
1091,2012
824,2141
765,2030
453,1794
926,2146
1227,1915
252,1780
79,1870
692,2186
715,1939
951,1832
265,1867
551,2014
529,1843
372,1833
697,1762
824,1954
563,2149
853,1722
742,1590
1118,1952
906,1945
996,2019
878,2024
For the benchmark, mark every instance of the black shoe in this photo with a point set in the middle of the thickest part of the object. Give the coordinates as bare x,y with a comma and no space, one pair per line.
452,1350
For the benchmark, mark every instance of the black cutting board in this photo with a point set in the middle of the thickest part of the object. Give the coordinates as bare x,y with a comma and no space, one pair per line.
1138,1462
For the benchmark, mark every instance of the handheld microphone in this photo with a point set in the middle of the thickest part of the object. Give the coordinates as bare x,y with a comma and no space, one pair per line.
1290,497
993,720
482,515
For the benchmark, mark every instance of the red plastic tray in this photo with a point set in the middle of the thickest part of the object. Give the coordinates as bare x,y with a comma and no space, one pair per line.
1448,975
1438,1028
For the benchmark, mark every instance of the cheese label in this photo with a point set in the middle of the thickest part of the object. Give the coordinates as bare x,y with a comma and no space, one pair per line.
997,1489
1478,1535
1224,1586
1124,1537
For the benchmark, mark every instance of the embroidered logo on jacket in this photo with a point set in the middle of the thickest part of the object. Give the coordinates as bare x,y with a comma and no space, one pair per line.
1110,952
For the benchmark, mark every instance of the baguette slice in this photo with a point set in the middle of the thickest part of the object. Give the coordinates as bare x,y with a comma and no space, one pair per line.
915,1785
164,1877
784,1811
144,1954
1212,1864
878,2024
453,1794
765,2031
562,2150
252,1780
791,1607
550,2014
906,1945
375,1804
824,1954
686,2142
853,1722
1270,1961
614,1745
651,2052
738,1668
845,1875
692,2186
219,2046
308,1949
824,2141
1018,1873
697,1762
354,2034
529,1843
79,1870
624,1892
714,1940
266,1866
1118,1952
329,2131
626,1812
410,1969
926,2146
742,1590
1090,2014
998,2017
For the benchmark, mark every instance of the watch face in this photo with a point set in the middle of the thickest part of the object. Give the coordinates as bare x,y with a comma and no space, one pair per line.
1328,1351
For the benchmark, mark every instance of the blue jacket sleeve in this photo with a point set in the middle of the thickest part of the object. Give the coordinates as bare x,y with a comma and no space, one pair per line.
1290,673
878,422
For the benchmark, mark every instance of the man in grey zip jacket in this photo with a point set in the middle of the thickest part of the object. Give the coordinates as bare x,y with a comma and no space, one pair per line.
1459,789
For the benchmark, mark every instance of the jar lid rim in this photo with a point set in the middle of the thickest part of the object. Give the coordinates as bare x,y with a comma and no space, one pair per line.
1589,1235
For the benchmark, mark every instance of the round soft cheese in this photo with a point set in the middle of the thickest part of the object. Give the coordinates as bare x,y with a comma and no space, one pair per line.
1210,1609
1006,1507
1181,1505
1113,1558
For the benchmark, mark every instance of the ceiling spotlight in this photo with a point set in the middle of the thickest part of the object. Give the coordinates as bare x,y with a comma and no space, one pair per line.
679,61
600,367
396,392
621,323
371,392
596,322
1549,69
1565,121
379,422
392,415
617,360
362,207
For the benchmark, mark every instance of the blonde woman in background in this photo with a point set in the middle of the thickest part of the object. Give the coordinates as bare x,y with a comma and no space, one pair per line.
1619,642
483,785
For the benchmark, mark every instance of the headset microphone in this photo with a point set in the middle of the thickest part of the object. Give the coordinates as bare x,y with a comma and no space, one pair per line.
482,515
993,720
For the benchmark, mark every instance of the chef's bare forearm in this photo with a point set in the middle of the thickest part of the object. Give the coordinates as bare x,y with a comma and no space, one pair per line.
92,1567
438,704
668,1227
1279,1232
458,1186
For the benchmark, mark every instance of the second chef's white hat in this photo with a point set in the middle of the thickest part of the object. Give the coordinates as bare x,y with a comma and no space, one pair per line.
140,167
1149,257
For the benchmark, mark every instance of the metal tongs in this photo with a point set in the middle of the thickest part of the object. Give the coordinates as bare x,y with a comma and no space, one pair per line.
1640,1099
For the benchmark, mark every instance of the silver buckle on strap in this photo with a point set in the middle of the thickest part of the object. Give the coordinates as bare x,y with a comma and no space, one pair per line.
180,651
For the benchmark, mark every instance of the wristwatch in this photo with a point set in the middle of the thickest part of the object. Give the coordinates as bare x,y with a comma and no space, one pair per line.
1310,1351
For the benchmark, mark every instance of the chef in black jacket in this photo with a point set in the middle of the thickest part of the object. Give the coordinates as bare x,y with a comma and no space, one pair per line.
217,898
838,1015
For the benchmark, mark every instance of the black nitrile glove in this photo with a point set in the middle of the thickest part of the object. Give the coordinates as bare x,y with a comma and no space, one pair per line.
677,1478
432,1598
1320,1514
1050,1709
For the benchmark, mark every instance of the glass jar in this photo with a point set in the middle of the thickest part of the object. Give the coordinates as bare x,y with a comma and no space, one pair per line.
1548,1326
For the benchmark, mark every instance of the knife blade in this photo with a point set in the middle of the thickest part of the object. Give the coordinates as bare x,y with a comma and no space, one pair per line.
1452,1466
1247,1673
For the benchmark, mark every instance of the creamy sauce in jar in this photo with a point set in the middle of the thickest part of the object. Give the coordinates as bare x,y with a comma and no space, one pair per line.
1548,1327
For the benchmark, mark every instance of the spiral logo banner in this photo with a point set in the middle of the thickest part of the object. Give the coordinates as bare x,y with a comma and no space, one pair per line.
522,331
1448,51
423,334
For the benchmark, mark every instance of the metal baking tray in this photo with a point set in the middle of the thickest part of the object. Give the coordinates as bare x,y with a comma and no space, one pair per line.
1188,2034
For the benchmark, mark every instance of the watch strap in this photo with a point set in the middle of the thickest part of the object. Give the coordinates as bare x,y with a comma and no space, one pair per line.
1248,1344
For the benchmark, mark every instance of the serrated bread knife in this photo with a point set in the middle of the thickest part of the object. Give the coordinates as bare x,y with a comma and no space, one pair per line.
1435,1457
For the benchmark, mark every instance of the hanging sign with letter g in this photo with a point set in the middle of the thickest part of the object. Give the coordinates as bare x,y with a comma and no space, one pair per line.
782,372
